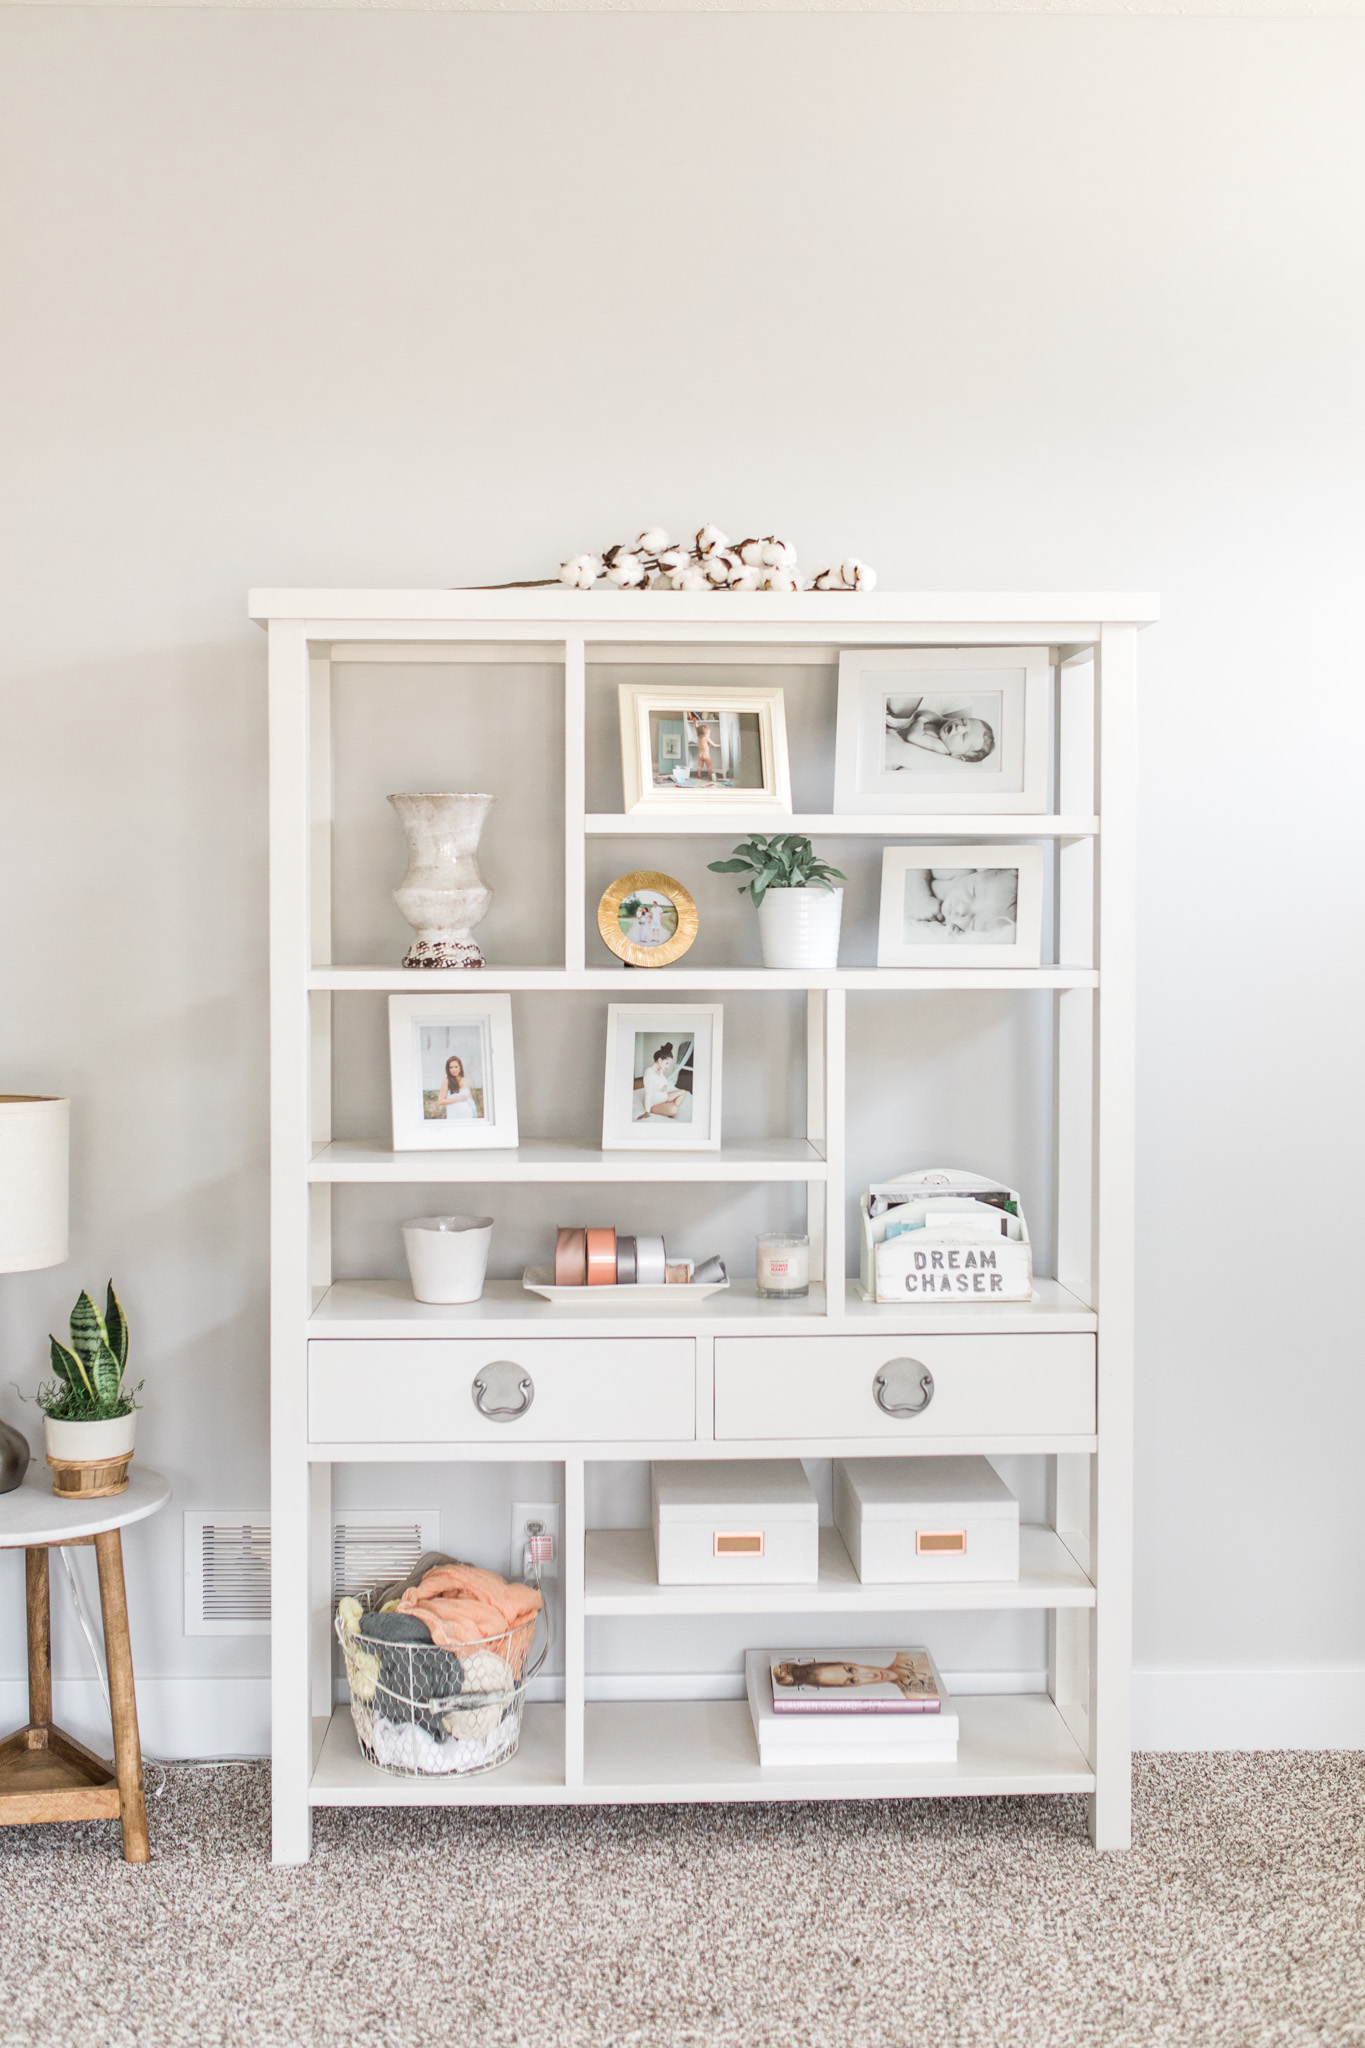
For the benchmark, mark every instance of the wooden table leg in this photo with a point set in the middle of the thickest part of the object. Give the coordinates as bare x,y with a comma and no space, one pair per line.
39,1638
118,1655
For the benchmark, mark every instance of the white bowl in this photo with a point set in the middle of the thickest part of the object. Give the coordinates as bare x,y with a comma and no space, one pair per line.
447,1256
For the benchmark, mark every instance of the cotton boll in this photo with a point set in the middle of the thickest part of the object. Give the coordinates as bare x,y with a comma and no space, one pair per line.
691,579
627,571
580,572
719,564
709,537
751,553
778,579
747,579
651,541
826,579
857,575
671,558
778,554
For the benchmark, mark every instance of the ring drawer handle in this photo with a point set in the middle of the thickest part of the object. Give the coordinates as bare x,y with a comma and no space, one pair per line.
501,1379
899,1377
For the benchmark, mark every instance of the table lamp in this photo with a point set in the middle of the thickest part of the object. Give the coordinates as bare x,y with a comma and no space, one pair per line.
35,1137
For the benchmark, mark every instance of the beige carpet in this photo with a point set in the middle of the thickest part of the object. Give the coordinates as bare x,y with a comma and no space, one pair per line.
1238,1918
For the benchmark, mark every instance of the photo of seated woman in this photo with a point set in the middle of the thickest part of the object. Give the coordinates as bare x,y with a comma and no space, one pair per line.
662,1089
960,906
942,732
452,1061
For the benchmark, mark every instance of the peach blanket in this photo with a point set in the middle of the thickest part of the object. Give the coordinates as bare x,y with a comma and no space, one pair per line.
462,1605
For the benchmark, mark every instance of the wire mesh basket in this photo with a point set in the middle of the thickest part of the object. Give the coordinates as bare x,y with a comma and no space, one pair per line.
421,1711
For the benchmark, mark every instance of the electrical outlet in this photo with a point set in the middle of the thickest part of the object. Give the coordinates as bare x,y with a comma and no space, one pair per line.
547,1513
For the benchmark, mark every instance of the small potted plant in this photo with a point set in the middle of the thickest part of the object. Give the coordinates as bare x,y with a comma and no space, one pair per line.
89,1416
798,906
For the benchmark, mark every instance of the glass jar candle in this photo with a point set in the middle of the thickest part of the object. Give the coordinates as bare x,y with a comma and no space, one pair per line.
782,1266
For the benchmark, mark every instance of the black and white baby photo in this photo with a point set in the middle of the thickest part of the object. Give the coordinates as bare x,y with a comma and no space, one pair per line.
943,733
960,906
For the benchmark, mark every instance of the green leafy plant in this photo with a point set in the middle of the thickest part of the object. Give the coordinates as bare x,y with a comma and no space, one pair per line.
88,1384
785,861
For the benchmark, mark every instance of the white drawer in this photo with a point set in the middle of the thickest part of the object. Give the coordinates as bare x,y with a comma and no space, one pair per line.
560,1389
981,1386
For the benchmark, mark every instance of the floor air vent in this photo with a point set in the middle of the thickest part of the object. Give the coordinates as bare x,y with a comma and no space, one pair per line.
227,1562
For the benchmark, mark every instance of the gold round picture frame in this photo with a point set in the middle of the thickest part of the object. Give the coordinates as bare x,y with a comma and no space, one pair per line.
657,952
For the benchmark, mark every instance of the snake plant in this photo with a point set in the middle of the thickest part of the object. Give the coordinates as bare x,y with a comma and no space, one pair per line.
88,1386
786,861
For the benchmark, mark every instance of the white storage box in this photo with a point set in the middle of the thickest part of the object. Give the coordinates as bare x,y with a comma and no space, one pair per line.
906,1521
869,1740
735,1522
932,1263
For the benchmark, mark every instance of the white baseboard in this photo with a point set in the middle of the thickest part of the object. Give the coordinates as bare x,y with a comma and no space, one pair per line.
177,1717
1192,1710
1172,1710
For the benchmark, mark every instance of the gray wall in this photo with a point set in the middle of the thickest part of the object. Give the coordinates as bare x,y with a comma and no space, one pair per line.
423,299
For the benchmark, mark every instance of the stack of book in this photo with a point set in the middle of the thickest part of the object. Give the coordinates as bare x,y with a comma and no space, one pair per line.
861,1707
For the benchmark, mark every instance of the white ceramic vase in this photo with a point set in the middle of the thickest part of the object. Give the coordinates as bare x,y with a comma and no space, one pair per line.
800,927
443,895
447,1256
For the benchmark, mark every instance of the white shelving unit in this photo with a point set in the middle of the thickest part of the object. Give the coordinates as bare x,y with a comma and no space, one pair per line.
734,1376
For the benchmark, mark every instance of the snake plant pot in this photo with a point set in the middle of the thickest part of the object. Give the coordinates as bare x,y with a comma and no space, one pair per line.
800,927
90,1459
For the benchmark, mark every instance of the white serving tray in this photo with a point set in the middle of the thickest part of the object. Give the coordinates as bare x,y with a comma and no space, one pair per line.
540,1280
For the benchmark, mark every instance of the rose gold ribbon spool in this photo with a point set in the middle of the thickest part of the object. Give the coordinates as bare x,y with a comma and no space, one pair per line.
571,1258
602,1257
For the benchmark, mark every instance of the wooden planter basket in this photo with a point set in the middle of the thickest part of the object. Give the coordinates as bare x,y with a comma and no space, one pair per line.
91,1480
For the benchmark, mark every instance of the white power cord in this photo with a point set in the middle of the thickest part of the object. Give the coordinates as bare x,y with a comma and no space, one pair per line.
160,1763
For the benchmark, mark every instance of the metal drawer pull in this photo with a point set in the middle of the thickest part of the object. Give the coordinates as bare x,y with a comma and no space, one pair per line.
496,1384
898,1378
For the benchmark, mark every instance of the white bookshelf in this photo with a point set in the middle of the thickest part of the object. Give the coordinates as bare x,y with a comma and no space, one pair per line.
1050,1377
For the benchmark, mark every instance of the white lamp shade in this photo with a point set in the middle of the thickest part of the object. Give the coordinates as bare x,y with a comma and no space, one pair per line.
35,1143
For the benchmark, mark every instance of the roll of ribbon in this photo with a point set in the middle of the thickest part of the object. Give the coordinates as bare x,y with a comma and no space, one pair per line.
625,1261
650,1261
571,1258
602,1257
678,1273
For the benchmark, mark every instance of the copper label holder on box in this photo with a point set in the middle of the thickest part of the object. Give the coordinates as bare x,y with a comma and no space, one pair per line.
940,1542
737,1543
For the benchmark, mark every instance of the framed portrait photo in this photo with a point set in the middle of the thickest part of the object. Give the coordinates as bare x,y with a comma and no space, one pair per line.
663,1077
942,729
961,906
647,919
703,748
454,1082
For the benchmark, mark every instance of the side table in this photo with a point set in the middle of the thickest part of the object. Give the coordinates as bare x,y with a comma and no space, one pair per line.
46,1774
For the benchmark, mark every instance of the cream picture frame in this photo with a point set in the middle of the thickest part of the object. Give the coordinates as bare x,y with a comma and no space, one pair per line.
952,906
897,702
427,1033
632,1028
682,748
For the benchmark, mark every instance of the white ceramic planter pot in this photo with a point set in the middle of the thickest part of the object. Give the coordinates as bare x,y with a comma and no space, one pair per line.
443,895
89,1460
447,1256
800,927
90,1443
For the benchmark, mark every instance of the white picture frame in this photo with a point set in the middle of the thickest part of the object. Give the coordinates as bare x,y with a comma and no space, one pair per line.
692,1034
977,920
703,748
427,1033
891,753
